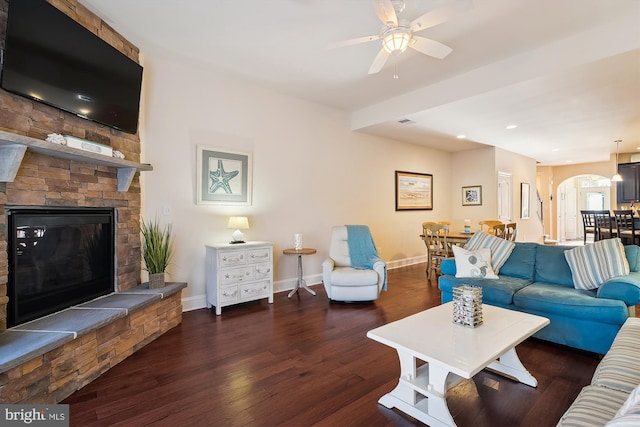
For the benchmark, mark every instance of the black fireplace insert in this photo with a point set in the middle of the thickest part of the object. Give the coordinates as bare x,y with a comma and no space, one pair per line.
58,257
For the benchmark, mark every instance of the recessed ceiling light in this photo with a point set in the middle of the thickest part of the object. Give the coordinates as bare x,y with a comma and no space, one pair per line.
511,126
568,161
461,136
555,149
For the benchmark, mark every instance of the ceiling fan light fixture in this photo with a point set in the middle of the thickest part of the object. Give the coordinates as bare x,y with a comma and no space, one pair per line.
396,40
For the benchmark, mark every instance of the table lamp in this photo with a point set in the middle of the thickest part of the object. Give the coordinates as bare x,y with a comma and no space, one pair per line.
239,223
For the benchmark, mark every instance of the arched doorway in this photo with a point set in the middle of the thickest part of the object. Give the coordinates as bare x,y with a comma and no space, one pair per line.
580,192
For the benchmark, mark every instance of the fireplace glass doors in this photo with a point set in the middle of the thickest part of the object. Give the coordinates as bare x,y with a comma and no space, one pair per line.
58,258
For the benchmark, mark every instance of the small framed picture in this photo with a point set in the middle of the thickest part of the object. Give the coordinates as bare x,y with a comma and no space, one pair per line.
472,195
224,177
525,202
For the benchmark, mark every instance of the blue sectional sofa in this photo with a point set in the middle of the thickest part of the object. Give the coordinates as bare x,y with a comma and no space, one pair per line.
537,279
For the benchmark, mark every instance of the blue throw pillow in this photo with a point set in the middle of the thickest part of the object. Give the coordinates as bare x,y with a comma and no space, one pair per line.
552,266
521,263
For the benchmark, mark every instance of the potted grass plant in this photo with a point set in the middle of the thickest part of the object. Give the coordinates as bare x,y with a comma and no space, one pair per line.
156,251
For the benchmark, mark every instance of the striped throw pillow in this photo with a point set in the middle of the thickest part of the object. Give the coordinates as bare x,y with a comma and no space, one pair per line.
593,264
500,248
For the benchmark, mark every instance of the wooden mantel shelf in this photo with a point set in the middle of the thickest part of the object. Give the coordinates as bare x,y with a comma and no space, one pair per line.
13,147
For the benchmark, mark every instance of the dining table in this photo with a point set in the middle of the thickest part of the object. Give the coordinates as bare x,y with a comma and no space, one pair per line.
459,237
456,237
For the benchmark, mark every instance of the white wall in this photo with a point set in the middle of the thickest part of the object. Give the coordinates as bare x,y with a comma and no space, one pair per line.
310,172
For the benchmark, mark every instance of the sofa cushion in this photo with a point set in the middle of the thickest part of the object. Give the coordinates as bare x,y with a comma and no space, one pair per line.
570,302
593,407
498,292
500,248
349,276
593,264
521,262
633,257
476,264
552,266
620,367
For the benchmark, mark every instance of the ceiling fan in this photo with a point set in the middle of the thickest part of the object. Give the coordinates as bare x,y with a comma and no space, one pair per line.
399,34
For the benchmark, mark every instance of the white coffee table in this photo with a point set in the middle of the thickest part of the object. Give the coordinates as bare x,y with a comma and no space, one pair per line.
453,353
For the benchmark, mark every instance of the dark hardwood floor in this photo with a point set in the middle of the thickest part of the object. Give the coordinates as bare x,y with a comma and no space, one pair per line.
303,361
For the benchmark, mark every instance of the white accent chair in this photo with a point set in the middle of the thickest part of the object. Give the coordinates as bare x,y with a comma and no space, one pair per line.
345,283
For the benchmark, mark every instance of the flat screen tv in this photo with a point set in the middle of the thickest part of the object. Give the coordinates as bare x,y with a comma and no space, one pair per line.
51,58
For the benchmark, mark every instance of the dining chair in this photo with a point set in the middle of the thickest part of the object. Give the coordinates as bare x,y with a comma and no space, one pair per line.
588,225
626,226
510,230
605,225
498,230
490,223
435,238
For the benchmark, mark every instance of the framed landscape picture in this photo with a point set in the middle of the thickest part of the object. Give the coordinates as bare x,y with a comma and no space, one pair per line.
472,195
224,177
414,191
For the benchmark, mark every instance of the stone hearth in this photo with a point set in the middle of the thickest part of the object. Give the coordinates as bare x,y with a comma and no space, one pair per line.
45,360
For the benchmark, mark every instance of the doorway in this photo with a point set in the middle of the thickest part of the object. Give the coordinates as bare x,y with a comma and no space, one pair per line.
581,192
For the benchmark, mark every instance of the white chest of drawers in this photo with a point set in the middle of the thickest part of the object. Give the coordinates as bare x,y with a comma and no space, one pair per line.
237,273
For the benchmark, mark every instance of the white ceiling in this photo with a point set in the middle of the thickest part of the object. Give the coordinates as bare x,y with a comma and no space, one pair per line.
567,72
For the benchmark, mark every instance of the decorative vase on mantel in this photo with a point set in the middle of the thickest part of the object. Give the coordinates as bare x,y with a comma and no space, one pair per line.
156,280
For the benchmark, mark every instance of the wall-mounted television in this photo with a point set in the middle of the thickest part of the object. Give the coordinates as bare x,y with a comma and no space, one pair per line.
51,58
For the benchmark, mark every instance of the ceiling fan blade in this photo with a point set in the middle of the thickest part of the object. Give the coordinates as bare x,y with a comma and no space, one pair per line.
385,11
440,15
379,61
352,42
430,47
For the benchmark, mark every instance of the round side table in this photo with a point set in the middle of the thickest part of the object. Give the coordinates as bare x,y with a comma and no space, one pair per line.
301,282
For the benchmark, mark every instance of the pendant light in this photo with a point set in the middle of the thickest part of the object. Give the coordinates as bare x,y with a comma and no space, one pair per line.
617,177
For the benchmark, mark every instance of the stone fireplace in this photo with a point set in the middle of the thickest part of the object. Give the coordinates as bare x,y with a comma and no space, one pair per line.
42,180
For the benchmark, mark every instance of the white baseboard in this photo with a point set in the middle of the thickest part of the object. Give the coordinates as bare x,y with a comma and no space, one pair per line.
200,301
194,303
406,262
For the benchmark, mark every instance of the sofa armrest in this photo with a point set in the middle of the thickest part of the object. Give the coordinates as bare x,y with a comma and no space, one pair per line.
624,288
448,266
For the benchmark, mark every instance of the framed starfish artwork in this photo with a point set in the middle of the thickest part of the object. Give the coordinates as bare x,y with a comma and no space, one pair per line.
224,177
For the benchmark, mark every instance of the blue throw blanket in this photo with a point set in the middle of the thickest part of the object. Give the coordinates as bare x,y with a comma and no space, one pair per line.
362,249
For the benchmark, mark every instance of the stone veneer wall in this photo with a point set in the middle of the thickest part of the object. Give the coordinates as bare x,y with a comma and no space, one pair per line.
48,181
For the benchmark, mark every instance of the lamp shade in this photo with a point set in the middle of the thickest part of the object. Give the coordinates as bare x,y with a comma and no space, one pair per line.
238,222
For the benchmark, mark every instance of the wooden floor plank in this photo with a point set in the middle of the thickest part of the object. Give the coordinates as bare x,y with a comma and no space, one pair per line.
303,361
